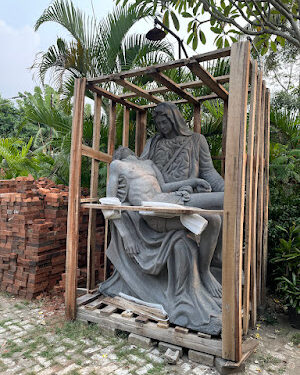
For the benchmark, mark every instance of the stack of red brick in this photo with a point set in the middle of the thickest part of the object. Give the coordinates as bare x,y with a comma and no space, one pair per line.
33,229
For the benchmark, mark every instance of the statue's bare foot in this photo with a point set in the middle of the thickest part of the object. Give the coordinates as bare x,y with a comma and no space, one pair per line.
211,284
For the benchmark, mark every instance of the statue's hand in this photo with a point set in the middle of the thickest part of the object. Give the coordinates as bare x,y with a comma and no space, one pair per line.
184,194
202,186
131,247
186,188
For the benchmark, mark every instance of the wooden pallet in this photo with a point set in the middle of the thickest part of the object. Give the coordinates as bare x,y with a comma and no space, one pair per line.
118,313
99,309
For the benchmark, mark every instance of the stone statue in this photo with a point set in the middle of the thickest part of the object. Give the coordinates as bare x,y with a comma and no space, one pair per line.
155,259
180,154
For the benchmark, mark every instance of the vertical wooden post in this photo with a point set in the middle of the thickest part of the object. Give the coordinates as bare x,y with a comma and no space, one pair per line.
257,140
260,198
266,195
112,128
249,195
91,241
110,150
234,202
197,118
125,135
140,132
224,132
74,200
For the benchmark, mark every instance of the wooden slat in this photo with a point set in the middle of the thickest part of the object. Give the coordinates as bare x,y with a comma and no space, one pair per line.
102,92
224,132
112,128
95,154
189,340
86,298
234,203
199,99
138,90
260,199
208,79
171,210
266,195
216,54
91,240
166,81
108,310
138,309
74,200
253,295
249,199
197,118
140,132
89,200
184,85
125,135
94,304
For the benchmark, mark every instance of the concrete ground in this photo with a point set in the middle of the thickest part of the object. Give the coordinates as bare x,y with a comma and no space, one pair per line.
35,339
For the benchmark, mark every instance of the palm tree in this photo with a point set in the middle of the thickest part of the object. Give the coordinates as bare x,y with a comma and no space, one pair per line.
96,48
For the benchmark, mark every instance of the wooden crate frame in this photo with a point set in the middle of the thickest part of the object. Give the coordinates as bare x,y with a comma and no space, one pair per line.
245,159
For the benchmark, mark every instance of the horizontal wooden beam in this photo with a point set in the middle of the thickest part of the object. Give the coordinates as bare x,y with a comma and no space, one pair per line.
183,101
115,98
138,91
94,154
208,79
171,210
184,85
216,54
166,81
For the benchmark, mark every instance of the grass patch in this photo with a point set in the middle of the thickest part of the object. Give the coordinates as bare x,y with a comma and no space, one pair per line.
296,339
77,330
267,359
2,322
11,348
157,369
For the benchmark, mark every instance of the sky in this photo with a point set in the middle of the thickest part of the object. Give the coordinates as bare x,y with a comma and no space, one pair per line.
20,43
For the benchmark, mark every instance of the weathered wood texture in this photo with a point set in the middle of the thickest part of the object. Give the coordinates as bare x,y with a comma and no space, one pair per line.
171,210
184,85
74,200
224,132
125,134
140,132
266,194
260,198
249,195
216,54
234,203
197,118
151,330
173,86
208,79
257,140
91,241
95,154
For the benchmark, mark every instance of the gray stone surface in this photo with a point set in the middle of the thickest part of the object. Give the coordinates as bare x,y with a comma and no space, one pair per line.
142,341
153,256
163,346
172,356
219,365
205,359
